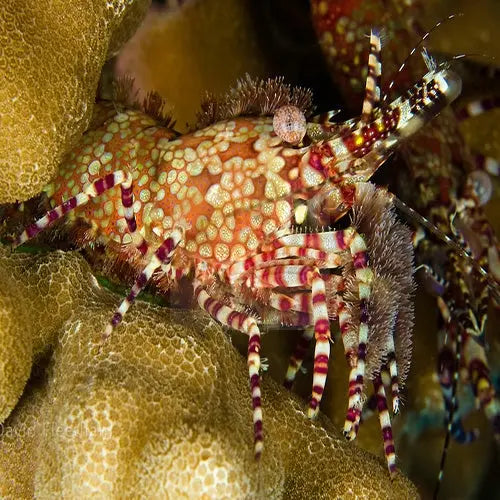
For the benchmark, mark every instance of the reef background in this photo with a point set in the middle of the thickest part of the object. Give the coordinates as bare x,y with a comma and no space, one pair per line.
277,38
181,52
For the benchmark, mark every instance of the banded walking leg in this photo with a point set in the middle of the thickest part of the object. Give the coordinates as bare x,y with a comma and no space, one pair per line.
239,269
334,242
248,325
335,306
446,367
162,255
479,376
393,372
385,424
99,186
297,357
372,86
292,276
455,332
299,302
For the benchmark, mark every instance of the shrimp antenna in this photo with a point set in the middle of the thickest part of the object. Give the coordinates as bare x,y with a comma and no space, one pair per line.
414,49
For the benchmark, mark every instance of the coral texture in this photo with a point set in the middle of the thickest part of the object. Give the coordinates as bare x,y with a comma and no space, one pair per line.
51,57
162,408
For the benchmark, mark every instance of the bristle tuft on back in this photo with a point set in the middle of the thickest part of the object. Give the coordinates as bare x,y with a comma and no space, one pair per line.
253,97
153,104
123,91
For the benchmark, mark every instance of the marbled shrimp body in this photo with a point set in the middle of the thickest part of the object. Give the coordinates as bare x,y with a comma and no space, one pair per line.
224,183
231,184
217,204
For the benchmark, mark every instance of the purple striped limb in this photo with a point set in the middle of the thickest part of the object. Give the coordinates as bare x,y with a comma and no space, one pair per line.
99,186
246,324
93,190
328,241
477,107
364,277
372,86
291,276
328,260
299,302
323,337
174,273
336,242
302,302
162,255
479,375
297,358
456,332
385,424
331,242
446,367
393,371
127,196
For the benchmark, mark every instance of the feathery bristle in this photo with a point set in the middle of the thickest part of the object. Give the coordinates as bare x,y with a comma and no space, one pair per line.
391,257
123,91
253,97
153,104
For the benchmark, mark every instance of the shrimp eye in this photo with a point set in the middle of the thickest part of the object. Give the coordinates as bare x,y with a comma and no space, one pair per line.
481,183
290,124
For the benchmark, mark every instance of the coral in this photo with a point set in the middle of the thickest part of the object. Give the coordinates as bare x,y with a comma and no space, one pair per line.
51,57
215,43
163,406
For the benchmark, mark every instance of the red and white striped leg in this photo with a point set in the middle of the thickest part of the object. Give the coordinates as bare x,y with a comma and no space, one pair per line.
93,190
300,302
297,358
480,381
162,255
290,276
385,424
364,277
246,324
393,372
372,86
334,242
335,306
127,196
239,269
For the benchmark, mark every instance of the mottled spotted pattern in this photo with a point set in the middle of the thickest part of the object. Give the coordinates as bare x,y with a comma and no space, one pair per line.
218,205
227,182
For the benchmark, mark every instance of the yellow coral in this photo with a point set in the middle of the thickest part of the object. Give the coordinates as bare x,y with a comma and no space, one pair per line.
215,43
51,56
163,409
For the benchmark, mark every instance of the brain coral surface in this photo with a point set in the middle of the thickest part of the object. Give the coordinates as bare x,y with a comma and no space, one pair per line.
163,409
51,55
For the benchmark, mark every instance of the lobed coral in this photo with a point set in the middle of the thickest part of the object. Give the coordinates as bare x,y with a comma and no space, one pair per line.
162,408
51,55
